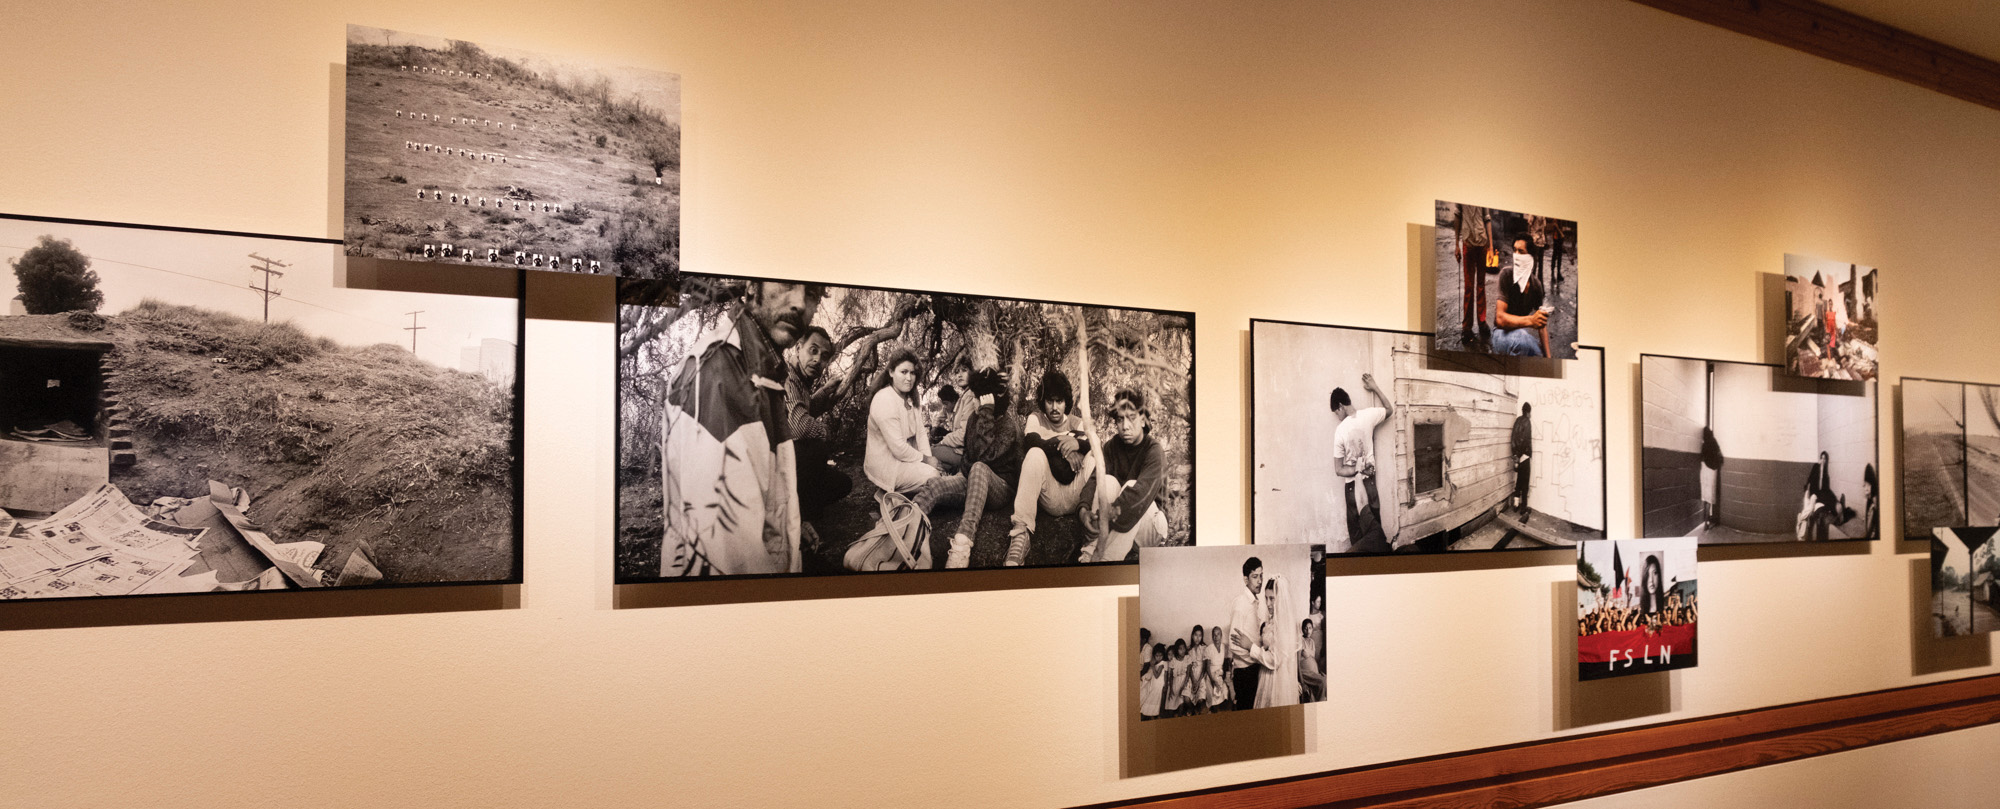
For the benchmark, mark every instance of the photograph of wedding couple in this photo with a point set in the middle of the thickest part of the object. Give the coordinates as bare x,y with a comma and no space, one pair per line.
1230,628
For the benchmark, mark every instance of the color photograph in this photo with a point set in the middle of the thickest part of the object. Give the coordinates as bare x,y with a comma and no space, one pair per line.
1965,596
1951,455
194,412
1230,628
1368,442
780,427
1635,607
472,154
1506,282
1830,326
1738,452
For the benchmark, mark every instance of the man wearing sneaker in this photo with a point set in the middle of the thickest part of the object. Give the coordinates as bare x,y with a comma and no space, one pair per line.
1128,490
1056,462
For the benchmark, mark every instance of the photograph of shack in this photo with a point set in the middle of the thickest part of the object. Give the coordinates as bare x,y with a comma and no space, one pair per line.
1367,441
1737,452
1830,326
191,412
1951,455
1965,594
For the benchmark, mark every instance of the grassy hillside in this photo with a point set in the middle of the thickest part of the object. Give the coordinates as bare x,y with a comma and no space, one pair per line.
370,446
575,146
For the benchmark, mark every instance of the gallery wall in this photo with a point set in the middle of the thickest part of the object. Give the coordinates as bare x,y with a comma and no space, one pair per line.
1275,160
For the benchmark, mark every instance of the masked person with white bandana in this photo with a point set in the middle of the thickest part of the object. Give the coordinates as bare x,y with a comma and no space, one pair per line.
1522,316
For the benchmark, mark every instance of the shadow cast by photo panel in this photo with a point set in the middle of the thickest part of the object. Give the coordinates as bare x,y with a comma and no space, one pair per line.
1448,562
336,152
757,590
257,606
1190,742
1772,320
1423,275
1579,703
1930,654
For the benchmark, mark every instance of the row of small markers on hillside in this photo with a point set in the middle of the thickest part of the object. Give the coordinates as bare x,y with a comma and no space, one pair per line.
440,119
443,72
521,259
490,157
498,203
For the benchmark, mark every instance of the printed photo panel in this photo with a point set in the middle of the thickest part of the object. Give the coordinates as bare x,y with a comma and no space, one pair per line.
1230,628
1506,282
1636,606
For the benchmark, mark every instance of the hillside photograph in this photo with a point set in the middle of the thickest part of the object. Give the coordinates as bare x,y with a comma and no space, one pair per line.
468,154
184,412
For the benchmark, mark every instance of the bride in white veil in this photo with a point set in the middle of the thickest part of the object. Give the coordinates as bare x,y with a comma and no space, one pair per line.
1278,680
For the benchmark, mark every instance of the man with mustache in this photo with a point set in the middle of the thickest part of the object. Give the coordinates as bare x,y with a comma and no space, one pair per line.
806,402
728,463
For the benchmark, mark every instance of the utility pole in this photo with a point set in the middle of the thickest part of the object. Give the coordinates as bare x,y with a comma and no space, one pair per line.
413,328
269,273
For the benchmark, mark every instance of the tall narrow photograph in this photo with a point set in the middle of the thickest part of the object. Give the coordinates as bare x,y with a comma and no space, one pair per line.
1506,282
1951,455
1368,442
1231,628
1737,452
191,412
1965,595
778,427
475,154
1636,607
1830,326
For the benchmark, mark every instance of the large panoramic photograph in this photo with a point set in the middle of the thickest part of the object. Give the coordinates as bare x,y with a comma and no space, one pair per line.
775,427
1367,441
194,412
473,154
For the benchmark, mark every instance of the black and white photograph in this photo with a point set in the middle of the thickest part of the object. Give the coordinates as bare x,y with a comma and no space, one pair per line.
190,412
1830,325
1951,455
1739,452
1965,596
474,154
1636,606
1367,441
1231,628
1506,282
774,427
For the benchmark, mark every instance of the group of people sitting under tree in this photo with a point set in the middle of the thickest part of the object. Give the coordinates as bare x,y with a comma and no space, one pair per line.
746,450
1268,656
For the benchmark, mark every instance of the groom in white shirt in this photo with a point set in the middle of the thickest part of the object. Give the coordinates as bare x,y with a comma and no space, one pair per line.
1244,632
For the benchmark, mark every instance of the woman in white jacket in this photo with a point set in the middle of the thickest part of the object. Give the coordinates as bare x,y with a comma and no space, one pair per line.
899,455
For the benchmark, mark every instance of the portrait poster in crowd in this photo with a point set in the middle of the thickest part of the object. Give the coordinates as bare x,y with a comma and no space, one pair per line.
1369,441
1951,455
1506,282
1965,597
475,154
188,412
1738,452
1231,628
777,427
1830,326
1635,606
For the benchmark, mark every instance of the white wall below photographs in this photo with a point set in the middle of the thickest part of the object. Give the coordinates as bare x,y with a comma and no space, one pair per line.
1277,160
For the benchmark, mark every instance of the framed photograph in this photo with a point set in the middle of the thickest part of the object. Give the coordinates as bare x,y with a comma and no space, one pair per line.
1231,628
1951,456
1830,326
1368,442
1965,597
1635,606
774,427
473,154
1739,452
1506,282
192,411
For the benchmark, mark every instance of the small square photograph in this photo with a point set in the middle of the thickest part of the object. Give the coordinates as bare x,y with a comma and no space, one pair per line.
1506,282
1951,455
1830,328
474,154
1230,628
1965,597
1635,606
1738,452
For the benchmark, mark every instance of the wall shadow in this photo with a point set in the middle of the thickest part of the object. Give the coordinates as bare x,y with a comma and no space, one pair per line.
1423,276
336,153
1185,743
1771,316
567,296
1784,550
1930,654
1448,562
702,592
437,277
1245,356
1580,703
281,605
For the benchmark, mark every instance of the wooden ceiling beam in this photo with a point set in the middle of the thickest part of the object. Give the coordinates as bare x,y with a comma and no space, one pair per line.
1849,38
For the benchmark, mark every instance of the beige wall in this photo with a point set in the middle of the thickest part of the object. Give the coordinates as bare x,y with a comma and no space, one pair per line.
1271,159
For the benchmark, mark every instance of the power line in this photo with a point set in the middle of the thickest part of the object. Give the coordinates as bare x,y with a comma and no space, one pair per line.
222,283
413,328
269,274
